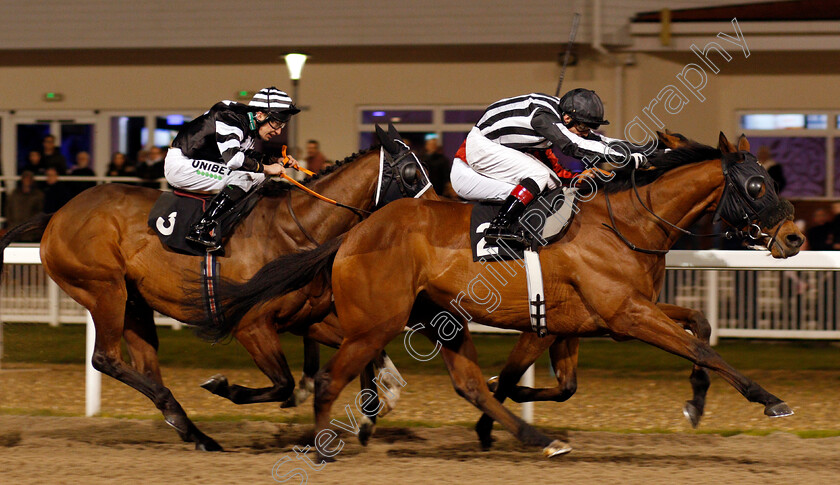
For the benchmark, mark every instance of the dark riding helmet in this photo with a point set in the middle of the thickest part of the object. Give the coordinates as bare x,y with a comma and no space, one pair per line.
275,103
584,106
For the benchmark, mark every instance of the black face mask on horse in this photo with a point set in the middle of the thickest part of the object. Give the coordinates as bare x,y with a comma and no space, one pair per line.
749,197
405,175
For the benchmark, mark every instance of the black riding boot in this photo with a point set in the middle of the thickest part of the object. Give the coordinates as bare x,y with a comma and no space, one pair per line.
202,231
513,207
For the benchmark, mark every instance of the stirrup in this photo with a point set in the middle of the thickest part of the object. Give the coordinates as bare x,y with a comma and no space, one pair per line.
515,240
202,237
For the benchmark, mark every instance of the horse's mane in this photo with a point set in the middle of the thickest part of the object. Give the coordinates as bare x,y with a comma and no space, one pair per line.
664,162
278,188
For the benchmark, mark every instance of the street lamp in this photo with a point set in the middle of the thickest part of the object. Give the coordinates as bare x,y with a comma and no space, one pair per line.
295,62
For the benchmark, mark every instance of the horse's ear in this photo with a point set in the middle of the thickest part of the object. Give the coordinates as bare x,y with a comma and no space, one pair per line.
671,140
743,143
386,140
380,133
393,133
724,145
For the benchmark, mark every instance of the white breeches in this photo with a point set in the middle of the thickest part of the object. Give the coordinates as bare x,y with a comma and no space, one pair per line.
188,174
494,170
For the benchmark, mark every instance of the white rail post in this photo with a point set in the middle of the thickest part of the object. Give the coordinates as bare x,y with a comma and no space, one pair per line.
53,299
528,407
93,379
712,304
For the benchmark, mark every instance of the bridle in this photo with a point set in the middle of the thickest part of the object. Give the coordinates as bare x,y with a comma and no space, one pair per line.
735,207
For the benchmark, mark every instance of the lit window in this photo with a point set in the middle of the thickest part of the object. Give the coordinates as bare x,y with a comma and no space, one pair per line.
786,121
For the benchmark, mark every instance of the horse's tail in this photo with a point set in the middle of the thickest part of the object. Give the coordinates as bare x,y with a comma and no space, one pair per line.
283,275
38,222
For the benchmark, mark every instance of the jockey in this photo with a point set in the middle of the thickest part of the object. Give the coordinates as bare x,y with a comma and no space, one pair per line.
506,153
215,152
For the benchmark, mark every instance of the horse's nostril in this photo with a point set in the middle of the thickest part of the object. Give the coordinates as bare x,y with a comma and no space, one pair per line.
794,240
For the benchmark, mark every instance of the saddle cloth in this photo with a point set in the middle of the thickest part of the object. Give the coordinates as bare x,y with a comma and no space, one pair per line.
175,212
545,221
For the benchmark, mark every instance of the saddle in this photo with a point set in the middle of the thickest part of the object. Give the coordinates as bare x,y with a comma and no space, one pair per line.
545,221
175,212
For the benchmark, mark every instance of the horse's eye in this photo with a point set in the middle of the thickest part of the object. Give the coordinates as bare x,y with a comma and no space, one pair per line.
409,173
755,187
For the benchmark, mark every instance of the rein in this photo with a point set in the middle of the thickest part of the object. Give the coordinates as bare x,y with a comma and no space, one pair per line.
754,231
299,225
355,210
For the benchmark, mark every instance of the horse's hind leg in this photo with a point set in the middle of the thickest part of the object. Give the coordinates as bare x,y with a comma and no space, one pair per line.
112,316
459,354
526,351
371,403
696,322
644,321
260,339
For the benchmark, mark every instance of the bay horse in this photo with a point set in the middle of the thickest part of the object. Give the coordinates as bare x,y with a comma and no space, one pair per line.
412,259
99,250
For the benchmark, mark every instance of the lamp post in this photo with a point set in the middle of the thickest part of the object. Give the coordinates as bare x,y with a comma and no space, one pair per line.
294,62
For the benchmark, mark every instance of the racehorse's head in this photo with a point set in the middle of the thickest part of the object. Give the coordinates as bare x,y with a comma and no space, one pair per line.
401,173
750,203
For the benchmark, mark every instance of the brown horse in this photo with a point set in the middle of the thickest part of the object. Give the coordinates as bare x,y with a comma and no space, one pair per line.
412,259
101,253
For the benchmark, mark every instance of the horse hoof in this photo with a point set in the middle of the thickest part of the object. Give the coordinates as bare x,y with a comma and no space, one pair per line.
324,458
778,410
215,383
366,428
493,383
556,448
692,414
208,446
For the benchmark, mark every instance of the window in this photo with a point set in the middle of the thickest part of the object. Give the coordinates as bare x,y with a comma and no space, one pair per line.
449,125
805,144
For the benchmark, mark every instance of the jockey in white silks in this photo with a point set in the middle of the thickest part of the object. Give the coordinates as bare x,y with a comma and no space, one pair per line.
506,155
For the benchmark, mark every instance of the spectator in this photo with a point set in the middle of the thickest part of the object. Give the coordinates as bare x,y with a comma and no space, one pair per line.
835,225
52,157
24,203
156,163
765,158
315,160
118,166
56,192
82,169
142,165
439,167
33,164
820,235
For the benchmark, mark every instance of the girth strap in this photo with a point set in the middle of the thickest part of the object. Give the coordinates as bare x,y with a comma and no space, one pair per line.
210,272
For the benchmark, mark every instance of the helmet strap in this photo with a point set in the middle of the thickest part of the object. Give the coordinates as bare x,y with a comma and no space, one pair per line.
252,121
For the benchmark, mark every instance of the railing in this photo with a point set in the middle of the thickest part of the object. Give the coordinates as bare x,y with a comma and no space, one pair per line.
793,298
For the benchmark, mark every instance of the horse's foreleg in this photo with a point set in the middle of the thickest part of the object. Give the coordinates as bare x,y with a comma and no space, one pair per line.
311,364
697,323
112,318
261,340
644,321
392,382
